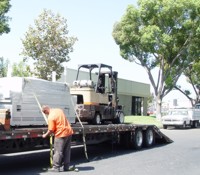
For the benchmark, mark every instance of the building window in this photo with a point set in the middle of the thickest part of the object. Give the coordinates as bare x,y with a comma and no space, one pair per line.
136,106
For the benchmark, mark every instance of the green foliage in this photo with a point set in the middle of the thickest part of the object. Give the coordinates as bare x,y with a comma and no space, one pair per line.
150,99
160,34
3,67
4,8
48,44
21,70
192,73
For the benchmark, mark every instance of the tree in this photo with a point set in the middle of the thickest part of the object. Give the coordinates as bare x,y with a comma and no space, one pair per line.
4,8
21,70
160,34
48,44
192,73
150,104
3,67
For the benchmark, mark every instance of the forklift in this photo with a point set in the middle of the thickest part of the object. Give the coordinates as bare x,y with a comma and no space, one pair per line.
94,93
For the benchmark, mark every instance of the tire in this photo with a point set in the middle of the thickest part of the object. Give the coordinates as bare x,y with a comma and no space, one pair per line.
149,137
120,118
132,140
184,125
164,126
194,124
97,119
137,139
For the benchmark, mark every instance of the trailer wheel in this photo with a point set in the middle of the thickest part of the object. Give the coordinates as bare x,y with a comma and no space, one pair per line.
97,119
137,139
149,137
119,118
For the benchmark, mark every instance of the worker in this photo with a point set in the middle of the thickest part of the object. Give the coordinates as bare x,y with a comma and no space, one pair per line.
60,127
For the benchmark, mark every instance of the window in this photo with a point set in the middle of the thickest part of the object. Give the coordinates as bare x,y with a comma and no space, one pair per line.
136,105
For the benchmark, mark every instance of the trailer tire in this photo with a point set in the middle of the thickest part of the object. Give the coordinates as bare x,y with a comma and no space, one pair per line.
137,139
149,137
97,119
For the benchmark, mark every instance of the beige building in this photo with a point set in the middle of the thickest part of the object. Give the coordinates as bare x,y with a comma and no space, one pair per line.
132,95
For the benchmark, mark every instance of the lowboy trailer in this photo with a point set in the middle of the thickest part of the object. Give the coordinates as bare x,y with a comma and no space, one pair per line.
22,123
130,136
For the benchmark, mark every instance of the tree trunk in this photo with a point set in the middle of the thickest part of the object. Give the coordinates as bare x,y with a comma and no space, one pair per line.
158,107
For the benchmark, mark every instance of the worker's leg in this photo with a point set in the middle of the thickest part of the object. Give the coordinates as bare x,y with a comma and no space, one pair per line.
58,152
67,153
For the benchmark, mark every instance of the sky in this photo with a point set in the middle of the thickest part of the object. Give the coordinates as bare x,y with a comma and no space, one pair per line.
90,21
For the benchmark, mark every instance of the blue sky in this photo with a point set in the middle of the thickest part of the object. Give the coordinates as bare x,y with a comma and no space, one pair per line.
90,21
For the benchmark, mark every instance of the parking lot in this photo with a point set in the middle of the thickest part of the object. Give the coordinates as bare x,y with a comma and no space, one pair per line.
180,157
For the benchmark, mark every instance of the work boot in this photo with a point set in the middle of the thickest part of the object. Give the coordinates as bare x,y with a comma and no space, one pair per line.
71,169
54,169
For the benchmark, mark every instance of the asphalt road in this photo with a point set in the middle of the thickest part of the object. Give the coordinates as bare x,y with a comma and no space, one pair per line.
182,157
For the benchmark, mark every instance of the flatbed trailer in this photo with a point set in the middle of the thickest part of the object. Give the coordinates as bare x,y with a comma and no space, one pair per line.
132,136
22,122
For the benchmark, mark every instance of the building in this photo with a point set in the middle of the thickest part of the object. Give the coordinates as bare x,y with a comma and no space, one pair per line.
132,95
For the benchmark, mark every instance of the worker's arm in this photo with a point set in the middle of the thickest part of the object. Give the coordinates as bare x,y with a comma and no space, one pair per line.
47,133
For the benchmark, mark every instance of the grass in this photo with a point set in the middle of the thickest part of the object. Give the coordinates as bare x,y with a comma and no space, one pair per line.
143,120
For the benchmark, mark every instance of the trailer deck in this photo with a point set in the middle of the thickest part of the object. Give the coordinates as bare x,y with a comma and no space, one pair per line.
128,135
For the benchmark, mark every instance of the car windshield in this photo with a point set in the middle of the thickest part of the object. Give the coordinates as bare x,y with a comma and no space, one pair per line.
178,112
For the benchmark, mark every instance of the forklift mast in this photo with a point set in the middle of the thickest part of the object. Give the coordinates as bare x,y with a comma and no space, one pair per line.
105,80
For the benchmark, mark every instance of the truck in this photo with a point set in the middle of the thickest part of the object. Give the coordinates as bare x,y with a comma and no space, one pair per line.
181,118
22,123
